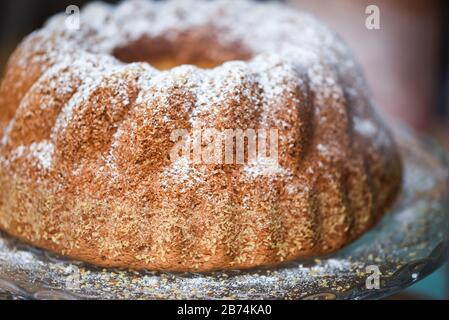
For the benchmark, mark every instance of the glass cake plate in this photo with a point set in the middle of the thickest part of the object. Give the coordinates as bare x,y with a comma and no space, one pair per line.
406,246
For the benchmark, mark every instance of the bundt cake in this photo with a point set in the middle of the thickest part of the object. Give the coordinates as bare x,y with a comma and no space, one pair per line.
87,118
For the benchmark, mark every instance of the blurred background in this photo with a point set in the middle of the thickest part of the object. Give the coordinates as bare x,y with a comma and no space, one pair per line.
406,63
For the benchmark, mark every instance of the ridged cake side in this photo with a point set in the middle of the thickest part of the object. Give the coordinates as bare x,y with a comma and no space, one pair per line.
84,166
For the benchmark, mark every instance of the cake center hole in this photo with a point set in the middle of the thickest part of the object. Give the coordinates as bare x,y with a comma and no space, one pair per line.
164,54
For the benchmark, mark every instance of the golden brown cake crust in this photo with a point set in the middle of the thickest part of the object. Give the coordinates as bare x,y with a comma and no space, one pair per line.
85,138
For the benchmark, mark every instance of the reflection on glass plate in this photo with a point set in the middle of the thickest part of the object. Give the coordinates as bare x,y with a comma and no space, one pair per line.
407,245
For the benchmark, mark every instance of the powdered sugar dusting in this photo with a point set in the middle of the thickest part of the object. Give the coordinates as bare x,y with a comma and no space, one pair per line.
43,153
182,173
6,133
365,127
264,166
91,69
